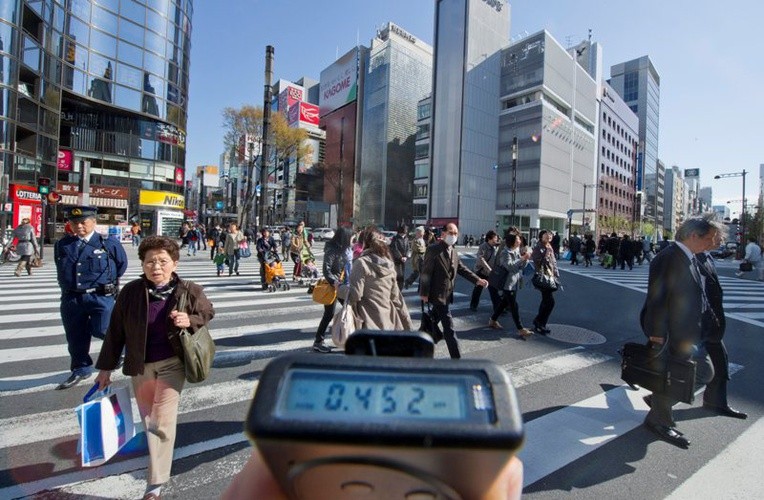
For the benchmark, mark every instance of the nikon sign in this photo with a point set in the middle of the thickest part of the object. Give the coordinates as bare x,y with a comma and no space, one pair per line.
163,199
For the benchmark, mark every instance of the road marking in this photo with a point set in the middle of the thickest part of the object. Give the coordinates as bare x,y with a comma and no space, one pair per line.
733,473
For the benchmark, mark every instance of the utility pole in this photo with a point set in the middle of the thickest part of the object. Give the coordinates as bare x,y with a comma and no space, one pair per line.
267,97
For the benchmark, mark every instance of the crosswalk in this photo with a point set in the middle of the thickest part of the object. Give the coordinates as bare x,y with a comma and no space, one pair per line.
38,430
743,299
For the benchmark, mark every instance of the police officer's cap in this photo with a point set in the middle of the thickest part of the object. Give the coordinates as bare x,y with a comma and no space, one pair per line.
77,214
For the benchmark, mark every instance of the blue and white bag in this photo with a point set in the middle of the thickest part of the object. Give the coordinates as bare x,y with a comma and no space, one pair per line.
106,424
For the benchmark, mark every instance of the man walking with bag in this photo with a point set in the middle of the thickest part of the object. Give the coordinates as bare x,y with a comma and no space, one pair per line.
439,270
671,317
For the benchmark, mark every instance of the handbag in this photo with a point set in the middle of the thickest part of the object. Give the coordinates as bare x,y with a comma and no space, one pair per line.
658,371
106,424
429,324
324,292
244,251
343,323
746,267
198,349
498,277
543,279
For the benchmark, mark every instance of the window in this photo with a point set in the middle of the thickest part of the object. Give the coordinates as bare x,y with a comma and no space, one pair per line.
422,151
631,86
423,131
423,111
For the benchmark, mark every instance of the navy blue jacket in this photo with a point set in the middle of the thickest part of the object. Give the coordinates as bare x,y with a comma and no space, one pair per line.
101,262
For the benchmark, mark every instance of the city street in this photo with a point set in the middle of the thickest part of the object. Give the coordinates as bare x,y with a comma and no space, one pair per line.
583,424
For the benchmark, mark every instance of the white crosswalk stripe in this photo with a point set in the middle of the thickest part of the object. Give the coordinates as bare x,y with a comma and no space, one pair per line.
251,325
743,299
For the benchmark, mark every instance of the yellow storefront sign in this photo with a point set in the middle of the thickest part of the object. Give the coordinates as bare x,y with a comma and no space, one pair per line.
163,199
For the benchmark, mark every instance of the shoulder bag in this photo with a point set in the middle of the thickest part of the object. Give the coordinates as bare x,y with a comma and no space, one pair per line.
343,323
198,349
544,280
746,267
324,292
498,277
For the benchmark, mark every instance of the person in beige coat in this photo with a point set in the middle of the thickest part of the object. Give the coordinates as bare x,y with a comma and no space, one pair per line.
373,290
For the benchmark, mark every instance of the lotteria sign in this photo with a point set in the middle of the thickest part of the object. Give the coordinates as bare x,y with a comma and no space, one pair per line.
339,83
164,199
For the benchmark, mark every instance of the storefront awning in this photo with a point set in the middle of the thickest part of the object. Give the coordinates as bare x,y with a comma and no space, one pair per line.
95,201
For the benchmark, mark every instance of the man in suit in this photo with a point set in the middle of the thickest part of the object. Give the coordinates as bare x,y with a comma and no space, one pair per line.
671,316
88,266
713,326
436,282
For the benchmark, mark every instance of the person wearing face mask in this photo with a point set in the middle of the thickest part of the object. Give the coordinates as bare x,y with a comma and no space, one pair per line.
439,269
484,262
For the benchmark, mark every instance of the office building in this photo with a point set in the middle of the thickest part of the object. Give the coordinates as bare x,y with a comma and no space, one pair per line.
674,205
422,162
341,116
469,35
549,107
618,205
398,76
94,96
638,83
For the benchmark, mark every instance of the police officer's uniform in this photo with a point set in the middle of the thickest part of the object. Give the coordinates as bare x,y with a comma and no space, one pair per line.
88,272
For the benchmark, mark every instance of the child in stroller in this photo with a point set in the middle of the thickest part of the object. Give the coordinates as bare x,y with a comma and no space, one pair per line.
275,278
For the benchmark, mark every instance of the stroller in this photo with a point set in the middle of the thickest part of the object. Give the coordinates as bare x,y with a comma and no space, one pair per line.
275,278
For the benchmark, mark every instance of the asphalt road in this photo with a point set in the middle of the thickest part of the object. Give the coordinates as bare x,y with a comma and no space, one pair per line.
584,438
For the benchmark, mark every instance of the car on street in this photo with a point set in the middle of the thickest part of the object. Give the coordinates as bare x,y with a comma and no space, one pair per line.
323,233
723,252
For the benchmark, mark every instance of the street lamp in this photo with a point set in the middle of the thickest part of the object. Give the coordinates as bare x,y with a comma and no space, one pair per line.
742,214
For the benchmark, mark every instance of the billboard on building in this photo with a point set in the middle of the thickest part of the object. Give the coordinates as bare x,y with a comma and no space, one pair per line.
289,97
339,83
303,113
65,159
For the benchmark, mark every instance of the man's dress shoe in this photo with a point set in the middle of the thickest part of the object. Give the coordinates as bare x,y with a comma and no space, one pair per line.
726,411
74,379
669,434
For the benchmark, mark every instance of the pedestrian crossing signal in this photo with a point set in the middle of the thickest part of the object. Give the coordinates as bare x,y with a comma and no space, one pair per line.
43,185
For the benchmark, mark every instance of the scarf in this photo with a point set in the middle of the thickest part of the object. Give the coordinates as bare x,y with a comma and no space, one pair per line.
161,292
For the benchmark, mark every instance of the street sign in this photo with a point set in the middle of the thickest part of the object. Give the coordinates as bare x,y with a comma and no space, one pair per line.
691,172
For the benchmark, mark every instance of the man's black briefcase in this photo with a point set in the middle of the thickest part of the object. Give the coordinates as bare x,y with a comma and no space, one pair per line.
658,372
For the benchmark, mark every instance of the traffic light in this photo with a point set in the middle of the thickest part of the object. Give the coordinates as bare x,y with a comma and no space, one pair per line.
43,185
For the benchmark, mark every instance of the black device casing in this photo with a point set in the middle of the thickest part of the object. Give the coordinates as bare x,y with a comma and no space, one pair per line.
332,460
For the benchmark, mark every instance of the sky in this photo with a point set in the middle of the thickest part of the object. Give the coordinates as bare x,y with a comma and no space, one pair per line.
708,55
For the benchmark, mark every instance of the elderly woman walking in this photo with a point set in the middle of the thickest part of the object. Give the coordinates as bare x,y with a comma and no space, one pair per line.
26,246
373,291
146,323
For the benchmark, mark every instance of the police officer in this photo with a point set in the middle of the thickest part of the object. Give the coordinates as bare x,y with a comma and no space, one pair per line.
89,267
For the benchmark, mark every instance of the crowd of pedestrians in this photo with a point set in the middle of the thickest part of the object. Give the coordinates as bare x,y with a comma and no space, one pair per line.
140,324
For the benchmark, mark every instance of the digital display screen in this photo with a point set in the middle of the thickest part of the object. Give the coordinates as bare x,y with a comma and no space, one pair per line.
378,396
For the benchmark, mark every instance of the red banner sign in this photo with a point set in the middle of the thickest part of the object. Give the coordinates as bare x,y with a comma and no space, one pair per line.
309,113
65,159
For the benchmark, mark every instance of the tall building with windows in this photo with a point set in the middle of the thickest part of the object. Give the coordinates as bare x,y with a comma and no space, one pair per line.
618,204
469,35
398,76
94,95
549,106
422,161
638,83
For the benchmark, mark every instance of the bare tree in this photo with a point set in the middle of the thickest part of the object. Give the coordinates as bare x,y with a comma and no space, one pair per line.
246,121
288,142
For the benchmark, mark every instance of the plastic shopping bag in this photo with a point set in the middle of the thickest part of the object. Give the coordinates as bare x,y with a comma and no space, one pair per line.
106,424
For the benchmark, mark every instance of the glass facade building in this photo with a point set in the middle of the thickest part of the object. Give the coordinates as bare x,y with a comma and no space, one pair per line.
398,76
95,93
638,83
468,37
